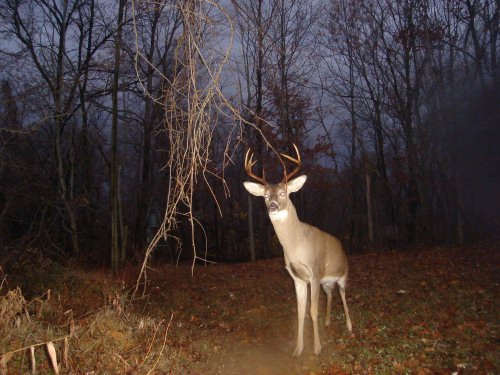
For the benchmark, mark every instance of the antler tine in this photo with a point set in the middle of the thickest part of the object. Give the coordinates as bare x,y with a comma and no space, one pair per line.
249,163
298,161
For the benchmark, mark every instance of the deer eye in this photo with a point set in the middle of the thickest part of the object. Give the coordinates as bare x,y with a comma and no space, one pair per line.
266,195
282,193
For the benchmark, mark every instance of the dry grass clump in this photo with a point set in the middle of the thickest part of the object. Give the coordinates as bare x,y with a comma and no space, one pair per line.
12,305
114,342
23,334
44,335
32,269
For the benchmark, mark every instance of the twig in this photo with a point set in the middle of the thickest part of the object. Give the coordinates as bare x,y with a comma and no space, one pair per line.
163,346
152,342
35,345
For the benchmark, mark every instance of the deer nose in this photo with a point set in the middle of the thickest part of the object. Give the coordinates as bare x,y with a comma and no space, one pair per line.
273,206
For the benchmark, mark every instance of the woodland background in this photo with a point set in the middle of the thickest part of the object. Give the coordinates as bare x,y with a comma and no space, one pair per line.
114,126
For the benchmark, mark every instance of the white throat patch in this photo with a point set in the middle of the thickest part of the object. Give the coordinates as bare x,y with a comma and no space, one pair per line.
280,215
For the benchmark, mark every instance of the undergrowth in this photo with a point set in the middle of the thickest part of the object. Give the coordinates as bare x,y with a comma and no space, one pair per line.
420,311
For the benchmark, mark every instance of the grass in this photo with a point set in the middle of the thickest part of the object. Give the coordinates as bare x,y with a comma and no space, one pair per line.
420,311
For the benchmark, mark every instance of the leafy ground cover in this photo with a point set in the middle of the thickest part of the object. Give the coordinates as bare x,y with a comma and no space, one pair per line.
419,311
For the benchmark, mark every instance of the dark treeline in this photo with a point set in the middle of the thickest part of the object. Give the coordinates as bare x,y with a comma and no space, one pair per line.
394,106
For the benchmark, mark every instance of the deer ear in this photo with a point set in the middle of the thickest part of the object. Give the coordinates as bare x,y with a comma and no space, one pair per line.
254,188
296,184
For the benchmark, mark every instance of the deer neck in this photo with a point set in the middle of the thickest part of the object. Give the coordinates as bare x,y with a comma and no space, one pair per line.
287,226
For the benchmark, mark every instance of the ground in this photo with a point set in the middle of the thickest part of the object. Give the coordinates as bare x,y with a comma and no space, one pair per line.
423,310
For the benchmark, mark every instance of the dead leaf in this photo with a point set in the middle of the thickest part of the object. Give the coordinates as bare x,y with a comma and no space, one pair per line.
51,352
32,359
72,328
65,352
3,362
398,367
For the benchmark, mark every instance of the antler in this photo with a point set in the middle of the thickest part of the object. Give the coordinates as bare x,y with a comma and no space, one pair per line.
249,163
287,176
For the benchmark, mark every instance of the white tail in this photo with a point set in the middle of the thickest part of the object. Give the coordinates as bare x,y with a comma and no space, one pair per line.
312,256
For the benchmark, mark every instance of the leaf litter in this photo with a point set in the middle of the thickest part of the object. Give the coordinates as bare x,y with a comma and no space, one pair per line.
423,310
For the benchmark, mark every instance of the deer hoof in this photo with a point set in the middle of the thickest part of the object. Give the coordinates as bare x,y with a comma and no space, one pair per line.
349,326
297,352
317,350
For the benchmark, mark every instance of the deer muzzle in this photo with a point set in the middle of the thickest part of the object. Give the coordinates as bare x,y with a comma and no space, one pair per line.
273,207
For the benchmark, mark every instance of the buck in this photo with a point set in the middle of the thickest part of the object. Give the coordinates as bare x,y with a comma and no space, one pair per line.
312,256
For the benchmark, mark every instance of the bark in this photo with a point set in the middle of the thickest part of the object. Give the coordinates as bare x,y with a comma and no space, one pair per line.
115,203
147,125
60,121
250,229
369,206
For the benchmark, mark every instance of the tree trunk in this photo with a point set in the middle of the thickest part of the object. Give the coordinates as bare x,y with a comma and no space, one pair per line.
147,126
251,236
116,223
369,208
259,114
64,194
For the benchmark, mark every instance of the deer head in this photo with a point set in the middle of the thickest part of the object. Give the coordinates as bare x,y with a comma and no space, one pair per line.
276,196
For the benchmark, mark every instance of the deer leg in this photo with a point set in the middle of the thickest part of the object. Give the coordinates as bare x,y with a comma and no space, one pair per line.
301,291
346,310
328,287
314,315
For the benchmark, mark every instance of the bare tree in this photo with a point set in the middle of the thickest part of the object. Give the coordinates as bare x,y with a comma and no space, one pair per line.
117,235
42,31
254,19
155,32
289,67
191,99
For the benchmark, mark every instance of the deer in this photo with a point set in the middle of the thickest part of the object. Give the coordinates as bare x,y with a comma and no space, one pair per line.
312,256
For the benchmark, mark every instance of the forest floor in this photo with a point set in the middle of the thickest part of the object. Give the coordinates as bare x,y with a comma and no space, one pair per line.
423,311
